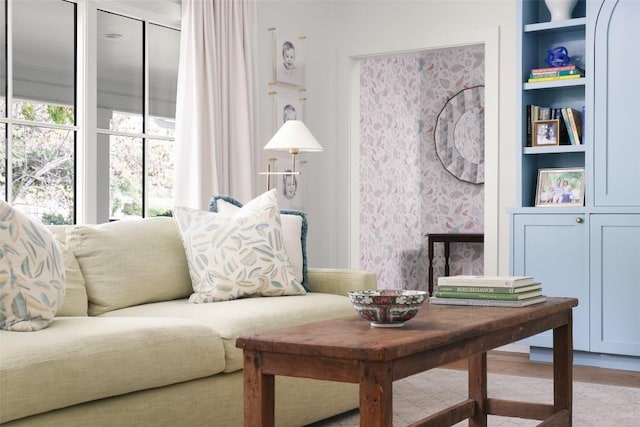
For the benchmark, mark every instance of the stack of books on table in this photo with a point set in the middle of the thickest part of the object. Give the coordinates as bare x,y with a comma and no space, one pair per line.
555,73
502,291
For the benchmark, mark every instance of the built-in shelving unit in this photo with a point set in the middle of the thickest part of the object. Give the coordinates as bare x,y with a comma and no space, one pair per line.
589,252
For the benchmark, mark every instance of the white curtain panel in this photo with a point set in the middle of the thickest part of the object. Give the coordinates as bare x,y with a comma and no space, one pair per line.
215,124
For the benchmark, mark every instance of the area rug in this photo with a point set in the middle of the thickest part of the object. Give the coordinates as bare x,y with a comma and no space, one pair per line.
594,405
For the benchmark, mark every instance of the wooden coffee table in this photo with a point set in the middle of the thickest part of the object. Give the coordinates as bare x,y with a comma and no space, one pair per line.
349,350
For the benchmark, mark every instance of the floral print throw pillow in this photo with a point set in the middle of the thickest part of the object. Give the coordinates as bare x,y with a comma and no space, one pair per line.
237,255
32,277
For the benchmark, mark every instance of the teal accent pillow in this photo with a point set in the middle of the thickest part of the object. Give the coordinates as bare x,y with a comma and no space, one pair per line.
294,229
237,255
32,277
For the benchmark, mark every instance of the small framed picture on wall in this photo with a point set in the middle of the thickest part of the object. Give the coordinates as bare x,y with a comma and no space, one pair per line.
288,108
289,54
560,187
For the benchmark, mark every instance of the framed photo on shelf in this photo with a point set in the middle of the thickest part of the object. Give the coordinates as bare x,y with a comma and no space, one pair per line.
560,187
546,133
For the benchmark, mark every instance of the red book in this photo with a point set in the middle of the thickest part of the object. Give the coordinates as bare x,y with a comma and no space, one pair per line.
551,69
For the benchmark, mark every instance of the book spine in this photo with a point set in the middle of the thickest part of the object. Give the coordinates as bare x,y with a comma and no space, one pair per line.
574,124
556,73
487,283
549,79
481,289
544,113
564,130
486,302
529,125
567,124
554,69
497,296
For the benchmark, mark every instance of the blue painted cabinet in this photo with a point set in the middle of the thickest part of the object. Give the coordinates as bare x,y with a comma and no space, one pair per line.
551,247
590,252
615,273
616,171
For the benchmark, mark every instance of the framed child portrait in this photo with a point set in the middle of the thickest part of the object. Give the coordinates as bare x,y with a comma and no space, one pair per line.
560,187
289,59
288,108
546,133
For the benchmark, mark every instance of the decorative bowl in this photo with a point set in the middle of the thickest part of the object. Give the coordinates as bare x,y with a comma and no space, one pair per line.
387,308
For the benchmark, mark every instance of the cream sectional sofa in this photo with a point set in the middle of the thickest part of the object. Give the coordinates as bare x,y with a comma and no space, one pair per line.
127,348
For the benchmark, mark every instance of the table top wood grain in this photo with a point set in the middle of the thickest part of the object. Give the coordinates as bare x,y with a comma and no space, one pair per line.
435,326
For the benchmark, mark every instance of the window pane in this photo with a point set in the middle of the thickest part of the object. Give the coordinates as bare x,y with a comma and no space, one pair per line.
125,177
44,58
120,69
3,62
164,53
160,160
43,174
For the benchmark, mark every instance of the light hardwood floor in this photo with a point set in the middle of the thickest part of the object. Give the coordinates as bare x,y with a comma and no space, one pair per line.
512,363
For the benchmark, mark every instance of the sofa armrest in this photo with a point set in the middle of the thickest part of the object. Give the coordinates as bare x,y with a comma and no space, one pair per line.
340,281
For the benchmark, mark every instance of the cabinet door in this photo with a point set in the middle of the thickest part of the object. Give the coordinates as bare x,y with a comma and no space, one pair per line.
615,283
552,248
616,174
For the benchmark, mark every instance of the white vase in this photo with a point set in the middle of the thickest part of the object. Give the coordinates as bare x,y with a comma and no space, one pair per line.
560,9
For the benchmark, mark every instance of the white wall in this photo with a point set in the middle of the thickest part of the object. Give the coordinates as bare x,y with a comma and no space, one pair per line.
331,28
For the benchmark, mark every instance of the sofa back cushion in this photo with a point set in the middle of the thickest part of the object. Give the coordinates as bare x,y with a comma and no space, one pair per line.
130,262
75,293
31,272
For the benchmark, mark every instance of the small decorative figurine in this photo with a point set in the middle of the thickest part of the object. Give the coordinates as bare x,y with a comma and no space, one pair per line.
558,57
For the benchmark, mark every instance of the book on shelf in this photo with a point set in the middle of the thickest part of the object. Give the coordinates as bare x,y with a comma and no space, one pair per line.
488,289
556,73
487,302
556,69
504,281
567,124
575,119
489,296
556,113
552,78
544,113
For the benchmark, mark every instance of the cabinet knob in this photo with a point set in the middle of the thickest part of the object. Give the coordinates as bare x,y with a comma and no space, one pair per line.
579,220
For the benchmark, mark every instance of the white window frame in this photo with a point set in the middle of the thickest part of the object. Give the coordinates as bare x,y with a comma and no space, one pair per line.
91,204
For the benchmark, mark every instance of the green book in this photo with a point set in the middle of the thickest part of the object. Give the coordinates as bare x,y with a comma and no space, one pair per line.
487,302
478,295
489,289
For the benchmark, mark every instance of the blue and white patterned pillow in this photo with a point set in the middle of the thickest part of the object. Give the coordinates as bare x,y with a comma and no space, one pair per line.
294,229
238,255
32,273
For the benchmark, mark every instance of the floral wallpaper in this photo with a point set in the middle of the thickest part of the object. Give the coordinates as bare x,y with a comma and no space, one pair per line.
405,191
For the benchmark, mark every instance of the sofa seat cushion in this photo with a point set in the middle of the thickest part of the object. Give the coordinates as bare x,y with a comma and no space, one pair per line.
249,315
80,359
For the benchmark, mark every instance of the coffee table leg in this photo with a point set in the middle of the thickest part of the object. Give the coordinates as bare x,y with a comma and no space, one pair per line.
563,368
376,394
259,392
478,388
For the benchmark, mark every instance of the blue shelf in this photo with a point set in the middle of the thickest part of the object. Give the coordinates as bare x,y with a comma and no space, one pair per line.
568,25
555,149
555,83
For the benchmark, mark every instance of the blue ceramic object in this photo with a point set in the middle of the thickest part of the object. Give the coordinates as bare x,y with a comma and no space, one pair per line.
558,57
